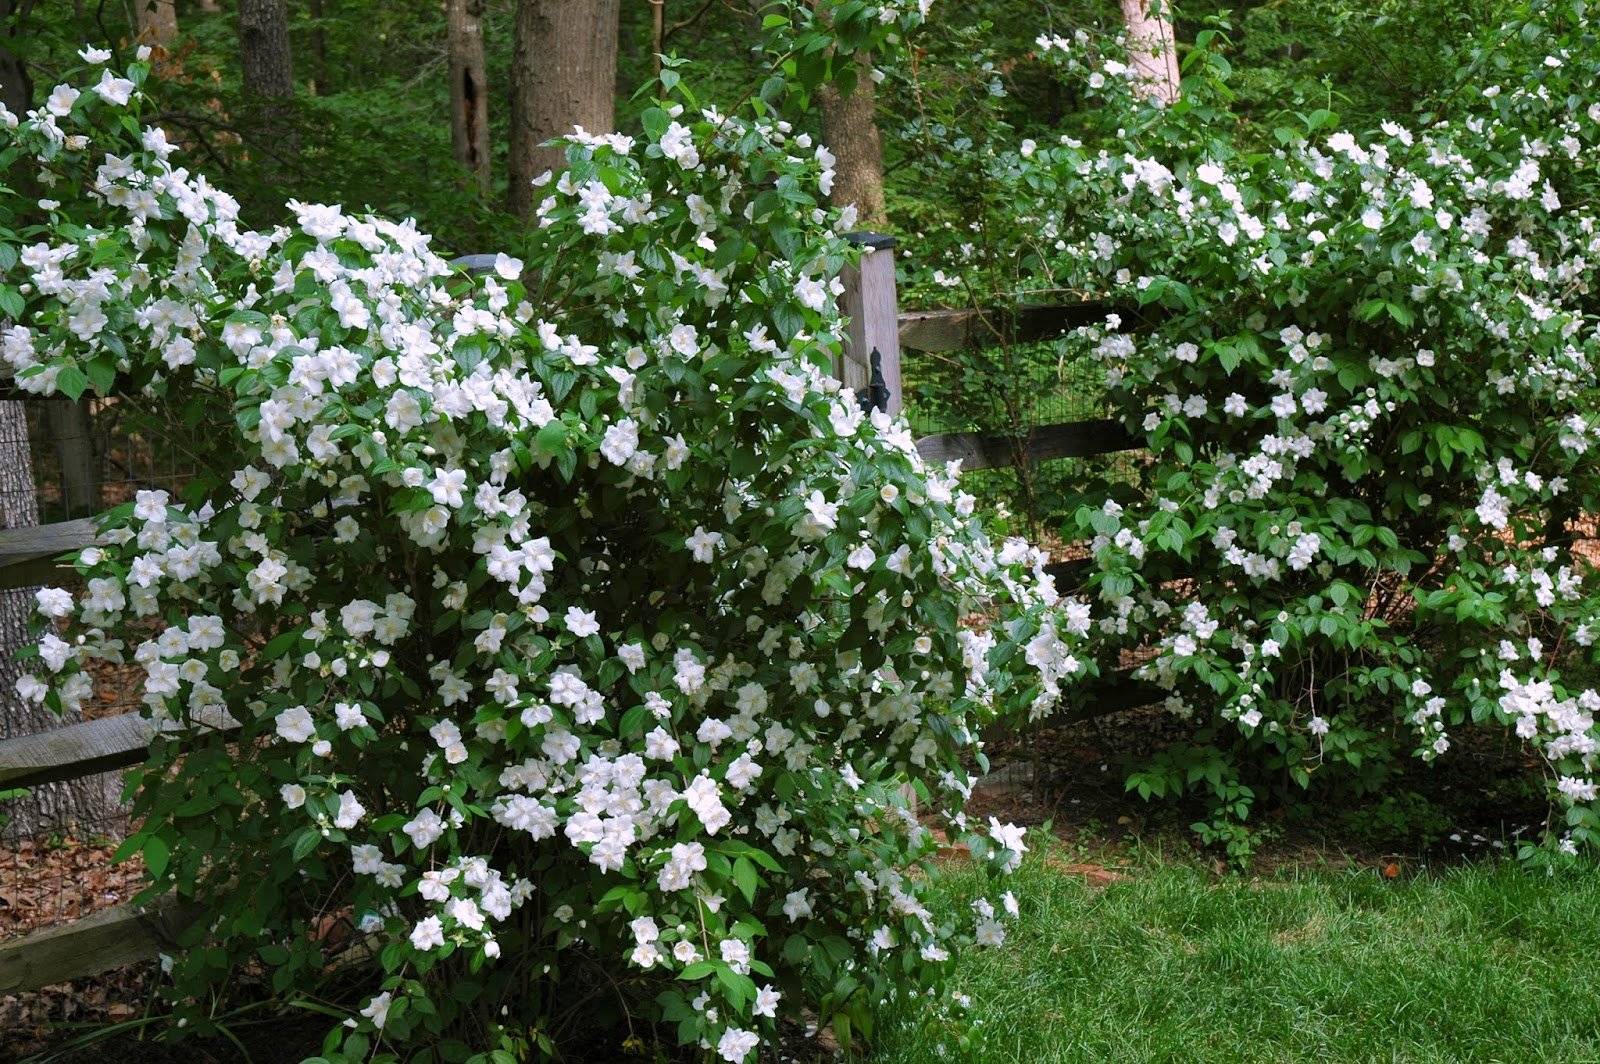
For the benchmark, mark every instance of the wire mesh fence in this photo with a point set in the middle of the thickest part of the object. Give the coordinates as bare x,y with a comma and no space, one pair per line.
93,454
56,875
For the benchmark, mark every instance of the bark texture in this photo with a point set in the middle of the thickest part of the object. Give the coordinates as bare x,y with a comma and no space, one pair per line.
850,129
268,71
1152,47
90,804
321,85
563,74
157,20
469,98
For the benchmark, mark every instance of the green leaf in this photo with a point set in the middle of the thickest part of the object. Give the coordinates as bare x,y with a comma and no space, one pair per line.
71,381
552,438
655,122
281,644
305,842
744,877
155,856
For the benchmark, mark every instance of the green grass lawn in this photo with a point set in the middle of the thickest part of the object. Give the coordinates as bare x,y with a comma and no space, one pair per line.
1489,962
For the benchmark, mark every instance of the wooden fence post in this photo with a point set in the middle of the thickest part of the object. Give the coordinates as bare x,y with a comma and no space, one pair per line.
870,302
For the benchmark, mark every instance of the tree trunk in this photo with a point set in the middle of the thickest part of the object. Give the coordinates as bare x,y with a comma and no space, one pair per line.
1152,47
658,33
16,88
850,129
157,20
320,84
469,98
210,7
91,803
563,74
268,71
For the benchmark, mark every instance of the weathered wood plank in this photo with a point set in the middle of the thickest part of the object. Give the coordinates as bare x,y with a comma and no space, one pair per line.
986,450
44,541
87,748
954,330
474,264
28,555
111,938
870,302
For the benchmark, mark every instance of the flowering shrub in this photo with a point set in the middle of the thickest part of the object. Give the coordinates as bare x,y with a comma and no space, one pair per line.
577,627
1364,368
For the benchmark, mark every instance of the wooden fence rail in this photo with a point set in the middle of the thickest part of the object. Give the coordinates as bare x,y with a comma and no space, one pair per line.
871,365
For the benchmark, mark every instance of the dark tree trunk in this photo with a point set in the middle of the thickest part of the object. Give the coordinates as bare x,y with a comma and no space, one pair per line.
563,74
269,71
91,804
850,129
16,87
469,98
320,85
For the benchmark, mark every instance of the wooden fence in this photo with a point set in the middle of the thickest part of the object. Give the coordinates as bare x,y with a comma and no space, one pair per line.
871,365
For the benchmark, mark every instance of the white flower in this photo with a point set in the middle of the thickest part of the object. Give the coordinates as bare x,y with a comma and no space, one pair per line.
428,933
350,811
797,904
377,1010
620,441
506,267
735,1045
702,544
295,724
581,622
61,99
424,829
1010,838
114,90
53,601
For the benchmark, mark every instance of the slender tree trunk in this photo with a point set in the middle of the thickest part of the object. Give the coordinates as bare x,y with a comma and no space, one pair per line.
850,129
91,803
563,74
1153,47
658,33
469,98
269,70
320,84
16,87
210,7
157,20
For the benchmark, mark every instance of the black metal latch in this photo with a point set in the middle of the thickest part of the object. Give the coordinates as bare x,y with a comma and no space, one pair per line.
877,394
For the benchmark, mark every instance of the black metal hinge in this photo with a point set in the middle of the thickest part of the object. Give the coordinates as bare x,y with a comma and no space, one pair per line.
877,394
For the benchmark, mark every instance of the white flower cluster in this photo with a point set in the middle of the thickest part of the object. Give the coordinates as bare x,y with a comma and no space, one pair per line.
596,598
1365,366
